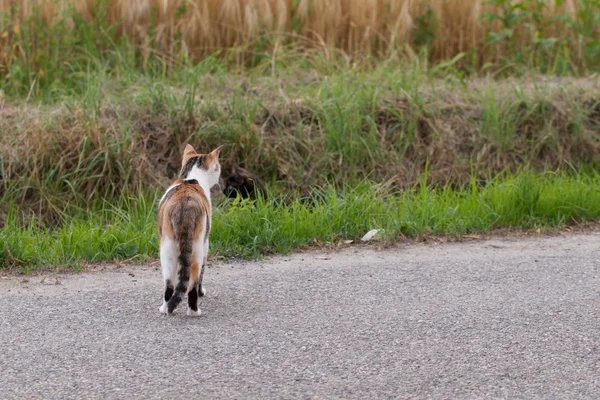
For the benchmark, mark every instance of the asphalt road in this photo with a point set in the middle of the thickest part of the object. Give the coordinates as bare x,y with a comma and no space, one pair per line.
515,318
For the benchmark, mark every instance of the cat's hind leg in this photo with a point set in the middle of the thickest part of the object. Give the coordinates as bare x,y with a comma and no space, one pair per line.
169,288
195,276
193,310
201,287
168,261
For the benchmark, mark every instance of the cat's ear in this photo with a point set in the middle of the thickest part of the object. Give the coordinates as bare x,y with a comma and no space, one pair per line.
213,159
217,151
188,150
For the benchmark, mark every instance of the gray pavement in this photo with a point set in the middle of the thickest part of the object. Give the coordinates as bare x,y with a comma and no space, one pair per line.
506,318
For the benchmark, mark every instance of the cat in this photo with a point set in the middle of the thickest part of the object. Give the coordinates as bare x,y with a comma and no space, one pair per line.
247,185
243,183
184,222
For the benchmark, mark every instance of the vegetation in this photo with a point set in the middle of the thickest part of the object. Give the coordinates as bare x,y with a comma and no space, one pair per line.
439,117
126,132
127,229
44,40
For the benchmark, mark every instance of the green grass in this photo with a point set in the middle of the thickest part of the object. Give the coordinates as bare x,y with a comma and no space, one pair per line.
79,166
296,131
46,60
90,128
244,229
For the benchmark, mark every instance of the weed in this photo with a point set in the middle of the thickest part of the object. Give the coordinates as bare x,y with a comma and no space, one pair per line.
124,133
44,42
97,99
249,229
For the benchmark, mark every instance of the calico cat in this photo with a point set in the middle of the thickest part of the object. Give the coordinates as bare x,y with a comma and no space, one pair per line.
184,221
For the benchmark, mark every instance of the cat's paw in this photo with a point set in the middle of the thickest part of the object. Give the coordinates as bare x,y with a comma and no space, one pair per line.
192,313
164,309
202,292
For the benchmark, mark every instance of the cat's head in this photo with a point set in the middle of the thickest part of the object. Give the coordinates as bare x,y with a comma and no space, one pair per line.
202,167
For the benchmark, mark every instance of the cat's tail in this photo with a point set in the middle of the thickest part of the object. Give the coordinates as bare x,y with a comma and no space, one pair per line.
185,240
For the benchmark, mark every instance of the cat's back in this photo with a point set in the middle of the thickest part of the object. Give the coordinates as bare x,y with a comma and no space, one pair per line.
183,201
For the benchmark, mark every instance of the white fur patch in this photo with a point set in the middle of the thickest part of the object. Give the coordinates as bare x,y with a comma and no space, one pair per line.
168,258
163,309
167,191
198,250
206,179
192,313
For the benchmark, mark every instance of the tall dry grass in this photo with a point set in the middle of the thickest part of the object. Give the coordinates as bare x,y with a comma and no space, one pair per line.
201,27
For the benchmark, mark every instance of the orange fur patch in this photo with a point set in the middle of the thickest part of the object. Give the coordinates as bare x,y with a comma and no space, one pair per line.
195,206
194,272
